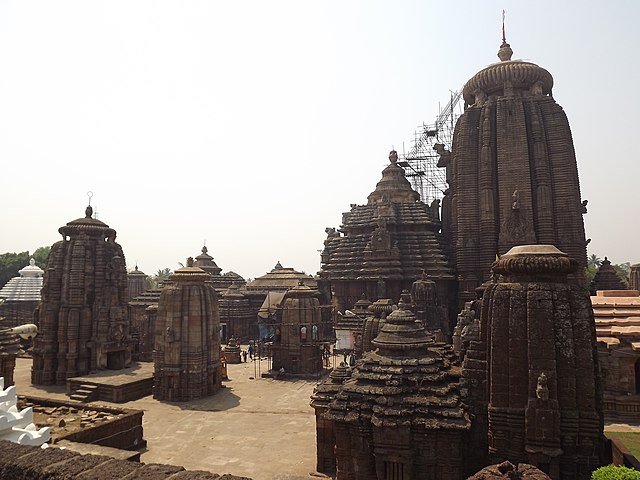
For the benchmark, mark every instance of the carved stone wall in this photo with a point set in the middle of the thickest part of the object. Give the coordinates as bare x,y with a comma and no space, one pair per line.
544,404
300,333
512,173
384,246
187,338
400,415
83,320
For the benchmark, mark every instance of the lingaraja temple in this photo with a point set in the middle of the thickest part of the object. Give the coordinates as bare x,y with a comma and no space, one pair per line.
384,246
83,318
512,172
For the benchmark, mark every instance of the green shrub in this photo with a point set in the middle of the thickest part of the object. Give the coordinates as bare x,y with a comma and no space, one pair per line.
612,472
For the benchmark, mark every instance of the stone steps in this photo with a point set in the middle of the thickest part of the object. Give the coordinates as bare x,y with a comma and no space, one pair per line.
85,393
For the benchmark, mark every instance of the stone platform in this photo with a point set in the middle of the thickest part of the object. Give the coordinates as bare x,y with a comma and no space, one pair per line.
117,386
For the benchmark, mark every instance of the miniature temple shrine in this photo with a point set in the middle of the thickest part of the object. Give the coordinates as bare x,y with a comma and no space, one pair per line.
187,338
83,318
512,172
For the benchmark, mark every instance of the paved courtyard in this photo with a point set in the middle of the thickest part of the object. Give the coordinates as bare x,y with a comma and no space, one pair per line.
263,429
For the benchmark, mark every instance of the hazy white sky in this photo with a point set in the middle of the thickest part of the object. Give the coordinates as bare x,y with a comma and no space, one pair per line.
255,124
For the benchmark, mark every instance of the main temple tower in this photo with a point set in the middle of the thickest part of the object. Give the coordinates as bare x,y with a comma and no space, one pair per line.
512,172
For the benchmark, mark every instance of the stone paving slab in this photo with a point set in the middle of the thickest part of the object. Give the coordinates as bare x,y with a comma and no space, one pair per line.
263,429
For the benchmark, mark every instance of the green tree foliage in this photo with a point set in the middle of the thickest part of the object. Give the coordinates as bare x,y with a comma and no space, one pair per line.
623,269
593,264
613,472
160,276
10,264
41,256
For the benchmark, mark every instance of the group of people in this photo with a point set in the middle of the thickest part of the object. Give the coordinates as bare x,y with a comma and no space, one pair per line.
349,358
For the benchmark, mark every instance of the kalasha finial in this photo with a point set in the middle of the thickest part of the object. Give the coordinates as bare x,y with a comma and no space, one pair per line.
190,262
505,52
204,249
393,156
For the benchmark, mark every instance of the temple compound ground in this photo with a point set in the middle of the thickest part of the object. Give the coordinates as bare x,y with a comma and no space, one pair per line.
263,429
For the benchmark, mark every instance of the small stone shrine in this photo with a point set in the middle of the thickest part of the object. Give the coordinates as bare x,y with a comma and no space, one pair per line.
137,283
83,319
512,172
384,246
606,278
187,338
20,296
326,440
232,351
206,263
348,327
142,310
236,317
9,350
278,280
617,316
400,415
300,332
634,277
544,404
424,303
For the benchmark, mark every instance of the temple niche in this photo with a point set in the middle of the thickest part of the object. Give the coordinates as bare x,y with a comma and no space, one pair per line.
512,172
187,338
384,246
83,318
532,376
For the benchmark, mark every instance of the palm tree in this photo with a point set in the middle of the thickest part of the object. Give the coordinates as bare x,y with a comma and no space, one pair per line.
594,261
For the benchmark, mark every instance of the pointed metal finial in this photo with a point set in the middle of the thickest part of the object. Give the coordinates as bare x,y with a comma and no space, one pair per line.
505,52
